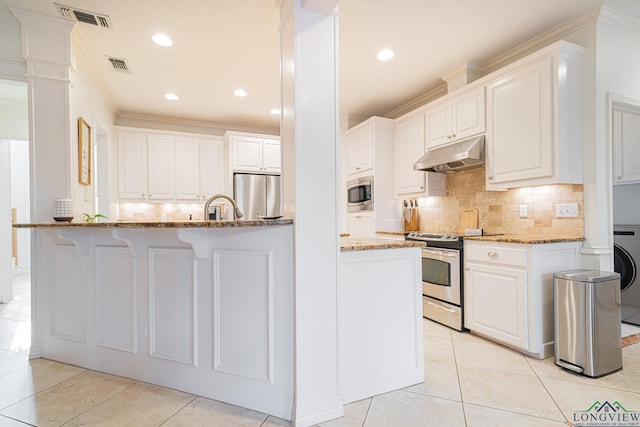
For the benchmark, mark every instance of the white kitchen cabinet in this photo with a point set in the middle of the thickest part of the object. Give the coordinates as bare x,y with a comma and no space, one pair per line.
458,116
408,147
212,168
254,153
360,148
161,167
187,175
508,291
533,120
625,127
132,165
361,225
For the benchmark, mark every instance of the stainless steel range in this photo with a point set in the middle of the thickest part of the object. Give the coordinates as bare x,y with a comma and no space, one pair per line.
442,278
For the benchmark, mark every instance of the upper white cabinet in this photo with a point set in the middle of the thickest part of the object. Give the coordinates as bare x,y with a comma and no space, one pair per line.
166,166
360,149
625,134
457,117
533,120
132,165
254,153
408,147
508,291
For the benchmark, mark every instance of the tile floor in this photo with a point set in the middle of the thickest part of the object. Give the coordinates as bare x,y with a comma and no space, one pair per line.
469,381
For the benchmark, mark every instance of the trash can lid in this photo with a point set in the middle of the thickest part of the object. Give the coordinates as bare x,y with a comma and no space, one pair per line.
583,275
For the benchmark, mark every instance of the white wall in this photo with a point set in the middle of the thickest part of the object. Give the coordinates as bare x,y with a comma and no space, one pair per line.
20,200
626,204
6,294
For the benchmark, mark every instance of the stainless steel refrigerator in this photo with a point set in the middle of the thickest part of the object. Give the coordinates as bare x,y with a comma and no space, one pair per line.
258,196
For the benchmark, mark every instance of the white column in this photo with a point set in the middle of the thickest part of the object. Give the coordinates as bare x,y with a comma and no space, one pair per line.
46,47
309,135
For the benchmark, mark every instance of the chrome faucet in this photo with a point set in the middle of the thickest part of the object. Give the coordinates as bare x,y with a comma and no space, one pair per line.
237,213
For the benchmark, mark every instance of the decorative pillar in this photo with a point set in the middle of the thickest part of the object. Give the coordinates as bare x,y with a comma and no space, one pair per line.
309,137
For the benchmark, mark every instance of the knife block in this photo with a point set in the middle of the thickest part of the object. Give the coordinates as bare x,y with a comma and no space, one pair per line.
411,219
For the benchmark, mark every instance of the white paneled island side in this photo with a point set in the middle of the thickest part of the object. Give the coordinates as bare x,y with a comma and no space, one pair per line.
202,307
207,307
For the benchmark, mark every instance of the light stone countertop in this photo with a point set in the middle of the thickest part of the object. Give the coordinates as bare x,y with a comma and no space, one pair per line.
524,238
373,243
159,224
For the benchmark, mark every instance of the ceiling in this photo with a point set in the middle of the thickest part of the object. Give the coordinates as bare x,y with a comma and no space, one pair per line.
223,45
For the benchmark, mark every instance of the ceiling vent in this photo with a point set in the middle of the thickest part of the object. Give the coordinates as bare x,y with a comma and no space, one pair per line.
79,15
119,64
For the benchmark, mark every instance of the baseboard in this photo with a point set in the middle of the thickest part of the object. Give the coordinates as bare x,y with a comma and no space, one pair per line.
318,413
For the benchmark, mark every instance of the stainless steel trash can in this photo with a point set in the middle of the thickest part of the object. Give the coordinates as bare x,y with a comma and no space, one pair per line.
588,338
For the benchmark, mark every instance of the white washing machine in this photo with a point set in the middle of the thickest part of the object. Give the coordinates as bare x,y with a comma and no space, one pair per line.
626,239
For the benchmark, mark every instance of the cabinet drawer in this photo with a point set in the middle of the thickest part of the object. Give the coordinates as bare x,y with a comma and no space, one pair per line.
497,255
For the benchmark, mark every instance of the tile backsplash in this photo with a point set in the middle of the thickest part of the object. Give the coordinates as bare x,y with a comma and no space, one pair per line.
499,211
160,211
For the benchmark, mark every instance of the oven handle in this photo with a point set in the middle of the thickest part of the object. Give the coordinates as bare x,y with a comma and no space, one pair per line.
444,252
440,307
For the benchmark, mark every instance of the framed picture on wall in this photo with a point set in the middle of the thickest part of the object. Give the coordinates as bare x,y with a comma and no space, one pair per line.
84,152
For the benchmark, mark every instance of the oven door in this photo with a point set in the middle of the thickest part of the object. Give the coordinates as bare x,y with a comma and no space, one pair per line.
441,274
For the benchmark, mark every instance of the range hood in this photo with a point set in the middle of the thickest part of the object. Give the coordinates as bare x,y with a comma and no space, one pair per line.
464,154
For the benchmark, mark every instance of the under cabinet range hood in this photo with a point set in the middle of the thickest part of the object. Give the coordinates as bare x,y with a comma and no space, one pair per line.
464,154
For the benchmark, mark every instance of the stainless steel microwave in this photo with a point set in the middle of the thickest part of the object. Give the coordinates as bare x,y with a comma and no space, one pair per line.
360,194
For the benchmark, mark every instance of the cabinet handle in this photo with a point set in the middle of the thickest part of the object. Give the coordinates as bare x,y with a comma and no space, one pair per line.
490,178
449,136
454,135
492,254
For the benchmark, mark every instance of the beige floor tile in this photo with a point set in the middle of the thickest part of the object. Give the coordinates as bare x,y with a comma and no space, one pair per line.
572,397
138,405
480,416
468,336
440,380
523,394
488,355
439,350
354,415
630,372
400,409
10,362
40,375
66,400
276,422
546,368
434,329
205,412
8,422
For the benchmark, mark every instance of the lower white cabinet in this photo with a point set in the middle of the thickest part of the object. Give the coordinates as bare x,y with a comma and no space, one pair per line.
361,225
508,291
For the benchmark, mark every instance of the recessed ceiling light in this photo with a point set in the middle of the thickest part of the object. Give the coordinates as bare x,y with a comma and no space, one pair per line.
275,111
162,39
385,55
171,96
240,92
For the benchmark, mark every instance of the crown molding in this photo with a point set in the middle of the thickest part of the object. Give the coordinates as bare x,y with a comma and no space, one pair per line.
620,20
418,101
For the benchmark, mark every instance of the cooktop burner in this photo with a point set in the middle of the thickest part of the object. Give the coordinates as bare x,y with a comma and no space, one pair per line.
417,235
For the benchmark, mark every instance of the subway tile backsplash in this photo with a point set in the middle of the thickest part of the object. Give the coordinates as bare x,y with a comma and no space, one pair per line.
499,211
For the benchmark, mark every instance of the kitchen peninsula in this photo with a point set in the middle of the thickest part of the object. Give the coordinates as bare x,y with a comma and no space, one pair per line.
207,307
203,307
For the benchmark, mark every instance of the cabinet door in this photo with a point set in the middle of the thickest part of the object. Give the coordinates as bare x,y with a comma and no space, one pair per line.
161,167
271,161
187,168
626,149
360,149
360,225
438,125
408,146
132,165
468,114
212,167
496,303
246,154
520,125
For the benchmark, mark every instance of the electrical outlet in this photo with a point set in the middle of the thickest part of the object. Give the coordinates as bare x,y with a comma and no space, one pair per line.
523,211
567,210
143,330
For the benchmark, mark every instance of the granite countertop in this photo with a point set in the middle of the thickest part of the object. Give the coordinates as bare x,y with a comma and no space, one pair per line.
159,224
524,238
372,243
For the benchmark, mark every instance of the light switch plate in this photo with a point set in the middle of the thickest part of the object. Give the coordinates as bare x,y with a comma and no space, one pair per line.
523,211
567,210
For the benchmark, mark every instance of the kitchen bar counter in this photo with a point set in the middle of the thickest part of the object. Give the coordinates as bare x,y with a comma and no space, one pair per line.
159,224
526,239
374,243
